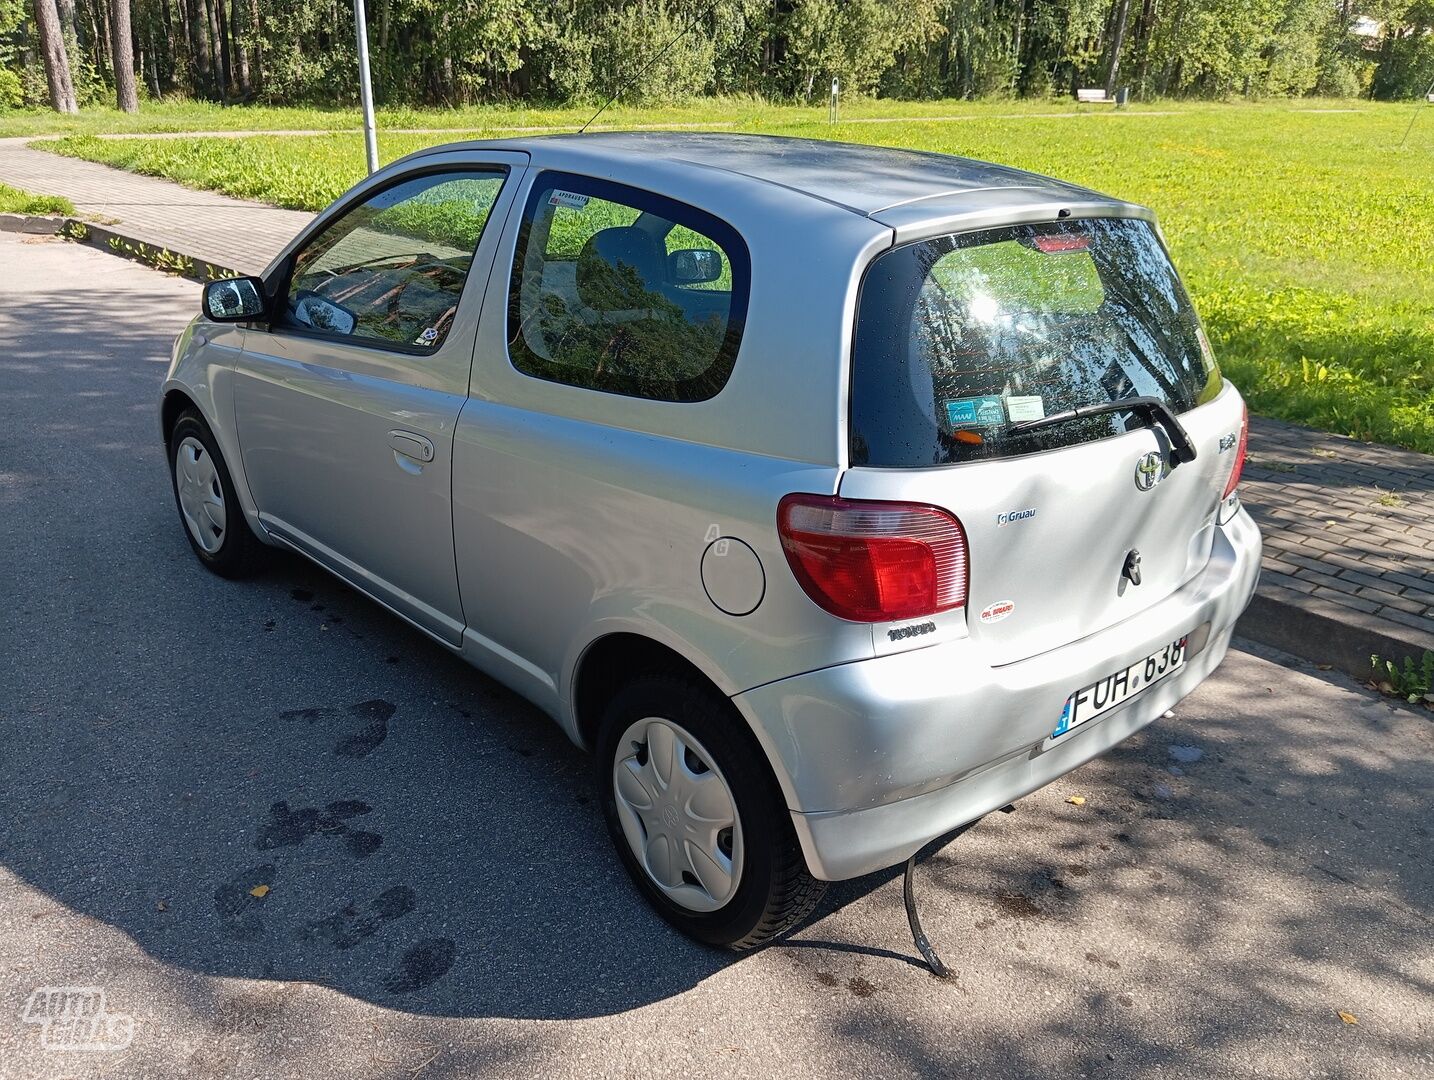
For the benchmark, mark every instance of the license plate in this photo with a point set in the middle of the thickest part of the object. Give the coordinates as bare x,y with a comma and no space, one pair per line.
1119,687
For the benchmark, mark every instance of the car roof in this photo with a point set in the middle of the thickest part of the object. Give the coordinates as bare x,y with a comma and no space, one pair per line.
867,180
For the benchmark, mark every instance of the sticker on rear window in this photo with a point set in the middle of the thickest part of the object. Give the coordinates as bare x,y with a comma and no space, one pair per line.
975,412
1025,408
571,199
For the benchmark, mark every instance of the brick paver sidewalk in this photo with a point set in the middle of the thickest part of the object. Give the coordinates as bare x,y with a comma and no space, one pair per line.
206,226
1349,527
1349,545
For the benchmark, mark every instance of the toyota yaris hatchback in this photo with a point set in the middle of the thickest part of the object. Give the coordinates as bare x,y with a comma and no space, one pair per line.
833,496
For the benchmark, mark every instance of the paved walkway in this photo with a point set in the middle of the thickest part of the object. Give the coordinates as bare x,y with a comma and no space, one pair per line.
1349,545
206,226
1349,527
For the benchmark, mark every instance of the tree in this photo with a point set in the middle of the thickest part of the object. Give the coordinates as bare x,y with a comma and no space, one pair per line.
1113,71
122,47
57,59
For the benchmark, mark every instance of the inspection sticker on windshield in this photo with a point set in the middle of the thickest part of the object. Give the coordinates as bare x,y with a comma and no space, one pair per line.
1115,689
1032,407
976,412
571,199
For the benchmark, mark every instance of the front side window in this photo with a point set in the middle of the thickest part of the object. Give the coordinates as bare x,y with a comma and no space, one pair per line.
961,338
625,292
390,271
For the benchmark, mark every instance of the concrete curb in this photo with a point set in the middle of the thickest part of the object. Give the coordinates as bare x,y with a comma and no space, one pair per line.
1324,633
107,238
37,224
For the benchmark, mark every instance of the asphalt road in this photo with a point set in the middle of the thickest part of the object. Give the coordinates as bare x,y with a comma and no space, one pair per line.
442,900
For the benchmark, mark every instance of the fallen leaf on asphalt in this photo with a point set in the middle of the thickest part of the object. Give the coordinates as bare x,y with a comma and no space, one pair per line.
259,890
1325,667
1076,800
1348,1018
163,905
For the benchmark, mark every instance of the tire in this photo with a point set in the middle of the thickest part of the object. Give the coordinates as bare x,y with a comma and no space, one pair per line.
221,538
770,889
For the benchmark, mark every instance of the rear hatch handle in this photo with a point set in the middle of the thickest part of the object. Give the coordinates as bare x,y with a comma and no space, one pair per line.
1152,412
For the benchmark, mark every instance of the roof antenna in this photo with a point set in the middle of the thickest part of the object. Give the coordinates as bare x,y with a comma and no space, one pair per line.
643,70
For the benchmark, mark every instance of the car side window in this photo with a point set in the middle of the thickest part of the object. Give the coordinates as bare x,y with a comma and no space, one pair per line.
390,271
626,292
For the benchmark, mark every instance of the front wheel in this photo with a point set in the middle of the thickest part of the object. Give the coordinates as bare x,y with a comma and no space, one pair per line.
696,816
204,492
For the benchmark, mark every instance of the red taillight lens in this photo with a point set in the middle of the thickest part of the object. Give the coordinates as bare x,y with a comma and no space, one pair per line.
874,561
1234,480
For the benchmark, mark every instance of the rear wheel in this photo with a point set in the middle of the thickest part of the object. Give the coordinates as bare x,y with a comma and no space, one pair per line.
204,493
697,817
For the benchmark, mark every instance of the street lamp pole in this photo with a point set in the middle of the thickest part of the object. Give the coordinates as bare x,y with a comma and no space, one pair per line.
370,135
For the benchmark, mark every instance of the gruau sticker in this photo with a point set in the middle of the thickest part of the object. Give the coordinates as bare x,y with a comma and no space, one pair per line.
571,199
1032,407
997,611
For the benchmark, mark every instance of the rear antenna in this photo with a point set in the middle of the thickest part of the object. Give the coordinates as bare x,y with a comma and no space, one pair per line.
643,70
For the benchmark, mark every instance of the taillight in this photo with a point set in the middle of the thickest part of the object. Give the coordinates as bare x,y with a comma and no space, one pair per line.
1234,480
874,561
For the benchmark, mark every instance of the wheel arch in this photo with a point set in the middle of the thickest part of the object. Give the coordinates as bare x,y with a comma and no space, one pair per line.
610,662
171,407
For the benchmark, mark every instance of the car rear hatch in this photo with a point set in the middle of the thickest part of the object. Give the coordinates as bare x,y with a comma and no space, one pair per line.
968,350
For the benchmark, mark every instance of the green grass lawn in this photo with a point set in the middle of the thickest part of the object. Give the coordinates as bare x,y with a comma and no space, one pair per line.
1307,237
15,201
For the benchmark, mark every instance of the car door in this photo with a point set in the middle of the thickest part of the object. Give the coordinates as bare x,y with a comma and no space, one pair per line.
345,408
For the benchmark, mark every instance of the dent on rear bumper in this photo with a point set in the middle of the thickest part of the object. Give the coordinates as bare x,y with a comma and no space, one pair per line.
880,756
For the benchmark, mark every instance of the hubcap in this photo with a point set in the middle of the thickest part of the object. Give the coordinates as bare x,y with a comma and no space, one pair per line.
201,497
678,814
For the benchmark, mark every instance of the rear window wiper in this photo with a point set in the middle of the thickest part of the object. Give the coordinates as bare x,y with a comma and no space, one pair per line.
1152,411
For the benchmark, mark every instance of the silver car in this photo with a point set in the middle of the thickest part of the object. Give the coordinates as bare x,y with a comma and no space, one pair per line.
833,496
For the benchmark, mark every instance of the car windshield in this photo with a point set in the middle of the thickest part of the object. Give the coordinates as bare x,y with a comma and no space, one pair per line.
960,339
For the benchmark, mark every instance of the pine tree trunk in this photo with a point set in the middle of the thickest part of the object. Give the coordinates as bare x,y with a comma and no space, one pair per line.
57,60
237,48
122,49
216,69
1117,40
201,73
226,66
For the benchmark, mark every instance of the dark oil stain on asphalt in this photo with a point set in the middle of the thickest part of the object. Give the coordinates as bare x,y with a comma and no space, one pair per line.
289,828
860,987
374,716
301,595
1077,870
237,907
350,925
421,965
826,978
1018,905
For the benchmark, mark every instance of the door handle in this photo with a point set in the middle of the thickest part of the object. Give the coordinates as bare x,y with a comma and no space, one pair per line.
411,445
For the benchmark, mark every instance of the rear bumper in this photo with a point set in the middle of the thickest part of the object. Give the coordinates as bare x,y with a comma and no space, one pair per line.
878,757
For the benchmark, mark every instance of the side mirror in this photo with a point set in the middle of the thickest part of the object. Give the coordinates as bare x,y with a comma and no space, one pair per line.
311,309
692,266
234,299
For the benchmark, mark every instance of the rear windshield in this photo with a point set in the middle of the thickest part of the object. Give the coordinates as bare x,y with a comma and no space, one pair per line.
961,338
